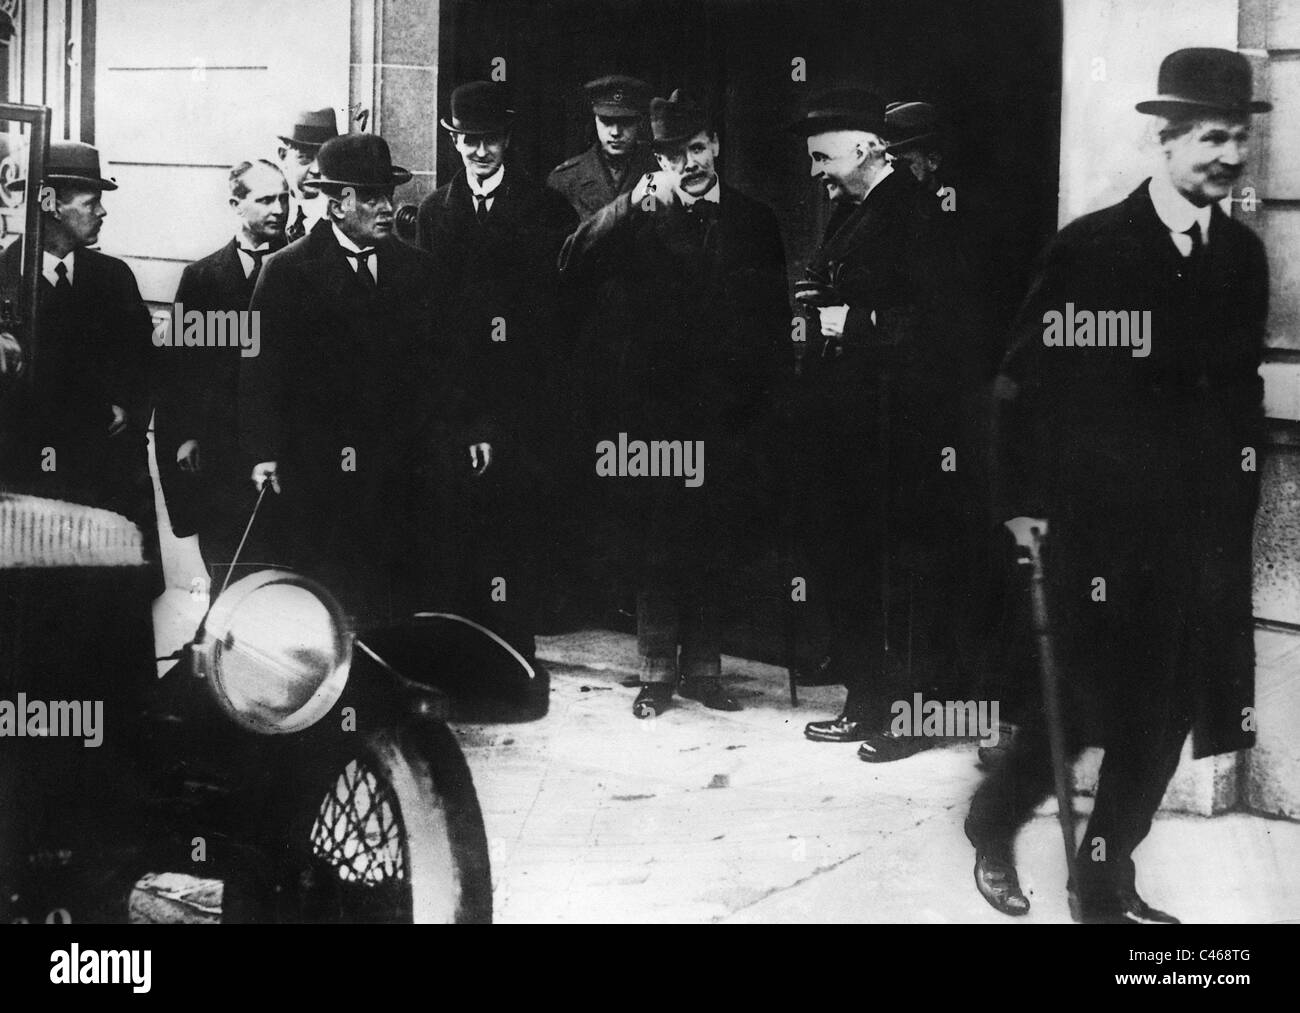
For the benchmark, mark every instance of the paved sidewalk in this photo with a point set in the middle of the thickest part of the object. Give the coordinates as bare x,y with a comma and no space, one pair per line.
703,816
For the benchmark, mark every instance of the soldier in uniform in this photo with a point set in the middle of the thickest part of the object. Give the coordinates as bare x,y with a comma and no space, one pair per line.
619,157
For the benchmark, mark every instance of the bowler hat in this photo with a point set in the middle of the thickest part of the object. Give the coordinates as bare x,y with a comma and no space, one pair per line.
1218,80
675,120
312,128
73,162
842,109
478,107
618,95
910,125
357,160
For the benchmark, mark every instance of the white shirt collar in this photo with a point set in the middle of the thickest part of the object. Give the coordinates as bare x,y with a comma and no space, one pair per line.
49,262
713,194
486,189
1176,211
241,244
371,263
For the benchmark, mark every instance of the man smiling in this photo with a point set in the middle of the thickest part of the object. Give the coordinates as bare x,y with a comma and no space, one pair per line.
1144,468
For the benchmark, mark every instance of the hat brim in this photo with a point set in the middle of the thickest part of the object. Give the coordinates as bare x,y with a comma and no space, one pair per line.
400,176
91,182
916,141
474,129
297,143
1179,105
811,126
619,112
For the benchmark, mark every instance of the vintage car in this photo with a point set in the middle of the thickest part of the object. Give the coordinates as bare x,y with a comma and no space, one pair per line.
284,767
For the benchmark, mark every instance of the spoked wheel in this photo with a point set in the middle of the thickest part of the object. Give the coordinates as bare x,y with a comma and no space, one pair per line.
398,836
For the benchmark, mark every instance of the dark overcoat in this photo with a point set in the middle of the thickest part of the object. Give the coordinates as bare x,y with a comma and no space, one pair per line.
688,318
94,352
358,397
1142,465
196,395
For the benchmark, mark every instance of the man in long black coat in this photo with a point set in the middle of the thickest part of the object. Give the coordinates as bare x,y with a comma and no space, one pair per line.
196,425
879,448
1139,448
353,408
494,234
691,313
89,402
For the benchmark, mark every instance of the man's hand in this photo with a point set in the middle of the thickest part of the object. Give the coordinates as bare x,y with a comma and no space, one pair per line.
480,456
11,355
832,320
1024,529
658,186
264,472
187,456
119,420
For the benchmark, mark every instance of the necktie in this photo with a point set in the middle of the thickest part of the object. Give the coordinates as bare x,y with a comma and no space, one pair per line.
481,208
362,257
257,256
62,286
298,228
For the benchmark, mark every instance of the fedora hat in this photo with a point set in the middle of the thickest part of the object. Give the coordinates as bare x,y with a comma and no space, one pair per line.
1218,80
357,160
842,109
478,107
618,95
675,120
312,128
910,125
71,162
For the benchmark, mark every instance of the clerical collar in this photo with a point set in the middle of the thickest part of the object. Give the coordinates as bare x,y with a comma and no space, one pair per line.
344,241
486,189
713,194
1176,211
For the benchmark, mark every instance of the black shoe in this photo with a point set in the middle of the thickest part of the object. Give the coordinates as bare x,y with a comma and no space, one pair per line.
882,746
1122,907
840,729
653,700
997,882
708,692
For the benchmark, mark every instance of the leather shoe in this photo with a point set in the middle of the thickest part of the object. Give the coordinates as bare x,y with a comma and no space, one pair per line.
997,882
1123,907
840,729
653,700
881,746
708,692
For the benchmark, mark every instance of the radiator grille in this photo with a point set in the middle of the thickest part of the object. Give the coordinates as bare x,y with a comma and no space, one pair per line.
37,532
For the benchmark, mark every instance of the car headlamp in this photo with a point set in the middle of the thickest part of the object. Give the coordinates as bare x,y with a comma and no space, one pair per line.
276,649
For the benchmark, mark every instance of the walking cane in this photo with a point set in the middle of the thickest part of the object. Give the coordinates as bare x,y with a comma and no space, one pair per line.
1051,684
261,494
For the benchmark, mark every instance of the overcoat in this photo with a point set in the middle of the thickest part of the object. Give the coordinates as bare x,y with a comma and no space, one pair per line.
358,397
1145,466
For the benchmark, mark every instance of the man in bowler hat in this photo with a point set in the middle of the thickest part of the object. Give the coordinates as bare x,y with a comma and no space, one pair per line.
297,153
353,409
620,155
196,432
693,310
494,234
90,400
1136,461
891,356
